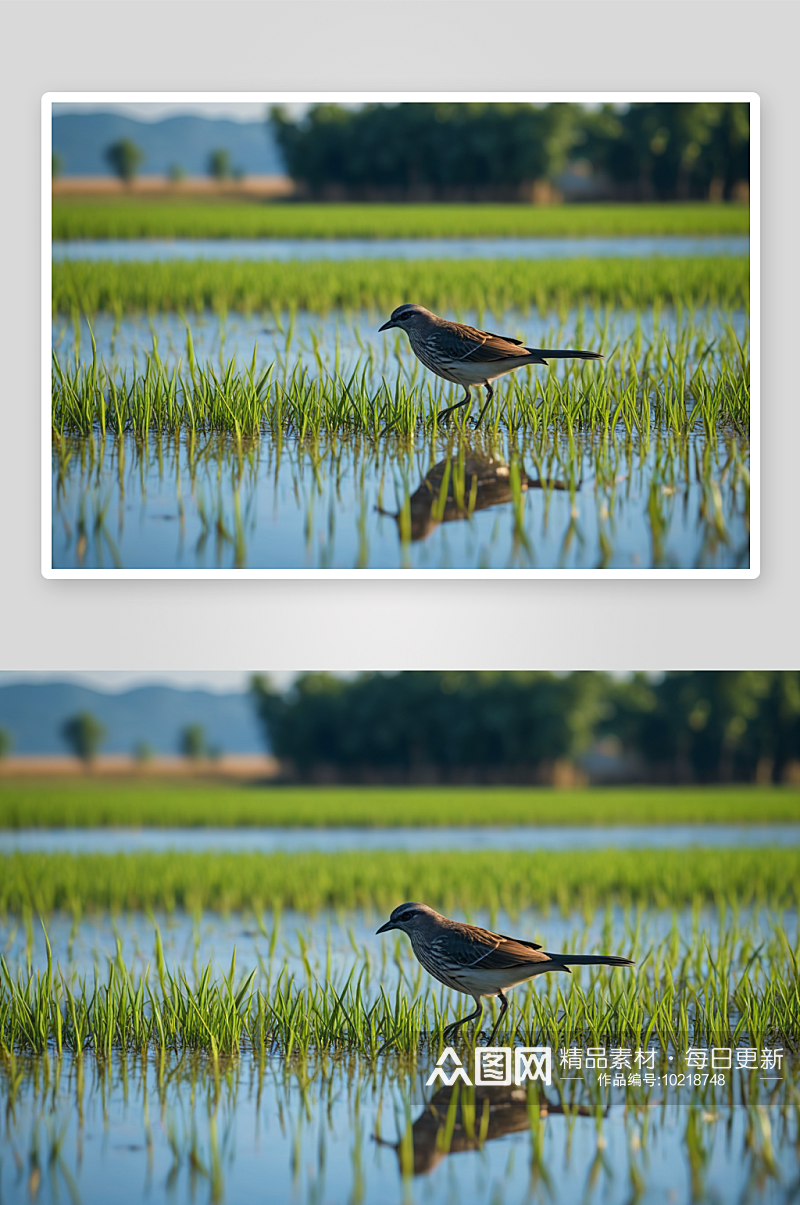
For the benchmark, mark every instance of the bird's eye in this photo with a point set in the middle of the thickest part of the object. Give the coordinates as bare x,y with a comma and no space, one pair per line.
402,317
406,916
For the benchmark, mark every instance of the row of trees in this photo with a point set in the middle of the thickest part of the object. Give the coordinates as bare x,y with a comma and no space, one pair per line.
445,150
125,158
84,735
681,727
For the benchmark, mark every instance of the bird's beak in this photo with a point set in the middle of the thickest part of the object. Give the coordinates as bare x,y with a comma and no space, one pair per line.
387,325
385,928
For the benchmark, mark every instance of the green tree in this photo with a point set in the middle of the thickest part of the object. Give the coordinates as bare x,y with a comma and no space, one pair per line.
57,165
219,164
412,724
84,734
479,149
6,742
693,726
771,740
176,173
125,158
680,727
193,742
441,148
669,150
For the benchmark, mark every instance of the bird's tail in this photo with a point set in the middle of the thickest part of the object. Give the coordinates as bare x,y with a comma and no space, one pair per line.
544,356
591,960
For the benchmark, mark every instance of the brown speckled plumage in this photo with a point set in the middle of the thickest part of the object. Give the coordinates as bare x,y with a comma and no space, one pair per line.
466,355
477,961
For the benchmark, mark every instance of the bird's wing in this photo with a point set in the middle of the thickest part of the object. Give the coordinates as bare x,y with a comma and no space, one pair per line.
493,951
492,335
468,343
517,941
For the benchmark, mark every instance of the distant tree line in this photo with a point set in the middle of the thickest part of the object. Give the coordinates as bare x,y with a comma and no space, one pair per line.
125,158
699,727
508,151
84,735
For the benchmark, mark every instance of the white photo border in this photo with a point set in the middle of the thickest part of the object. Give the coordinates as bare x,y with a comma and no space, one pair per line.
273,98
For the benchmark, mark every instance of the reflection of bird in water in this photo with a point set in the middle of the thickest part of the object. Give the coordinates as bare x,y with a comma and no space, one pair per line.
508,1114
468,356
486,482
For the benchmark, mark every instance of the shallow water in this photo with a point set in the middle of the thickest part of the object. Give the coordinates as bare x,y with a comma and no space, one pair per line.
177,1128
331,945
208,504
150,250
291,840
339,341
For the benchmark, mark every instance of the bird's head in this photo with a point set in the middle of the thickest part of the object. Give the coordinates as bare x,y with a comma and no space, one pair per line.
407,317
407,917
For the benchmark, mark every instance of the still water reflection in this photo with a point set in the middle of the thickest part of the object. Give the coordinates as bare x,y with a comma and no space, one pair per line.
152,250
179,1127
455,491
210,501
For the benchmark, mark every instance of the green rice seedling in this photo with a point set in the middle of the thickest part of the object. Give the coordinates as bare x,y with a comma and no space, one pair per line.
309,882
176,217
147,801
642,389
81,286
682,993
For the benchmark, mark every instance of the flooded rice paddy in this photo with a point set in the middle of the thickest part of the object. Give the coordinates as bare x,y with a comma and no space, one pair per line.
329,945
341,1124
180,1128
547,483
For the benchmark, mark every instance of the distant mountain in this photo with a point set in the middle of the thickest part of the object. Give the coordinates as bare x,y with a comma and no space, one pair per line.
34,712
81,139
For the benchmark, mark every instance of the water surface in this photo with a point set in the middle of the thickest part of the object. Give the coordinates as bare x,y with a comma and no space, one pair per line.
210,503
290,840
181,1129
343,341
332,944
151,250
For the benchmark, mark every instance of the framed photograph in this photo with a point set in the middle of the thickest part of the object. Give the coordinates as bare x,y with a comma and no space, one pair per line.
400,335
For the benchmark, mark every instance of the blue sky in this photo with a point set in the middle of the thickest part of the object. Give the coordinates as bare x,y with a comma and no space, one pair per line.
158,110
220,681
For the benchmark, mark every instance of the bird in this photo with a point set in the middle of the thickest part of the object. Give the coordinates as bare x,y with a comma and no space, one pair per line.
479,962
468,356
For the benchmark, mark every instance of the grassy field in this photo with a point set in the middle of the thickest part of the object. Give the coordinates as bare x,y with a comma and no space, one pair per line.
89,804
176,217
320,286
380,880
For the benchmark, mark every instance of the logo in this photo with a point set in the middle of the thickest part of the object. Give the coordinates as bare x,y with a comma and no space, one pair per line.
493,1066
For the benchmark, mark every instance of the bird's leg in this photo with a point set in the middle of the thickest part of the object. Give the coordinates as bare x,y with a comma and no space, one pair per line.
464,402
454,1025
489,396
499,1020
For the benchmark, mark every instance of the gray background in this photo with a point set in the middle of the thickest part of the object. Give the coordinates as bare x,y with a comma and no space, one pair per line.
299,46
